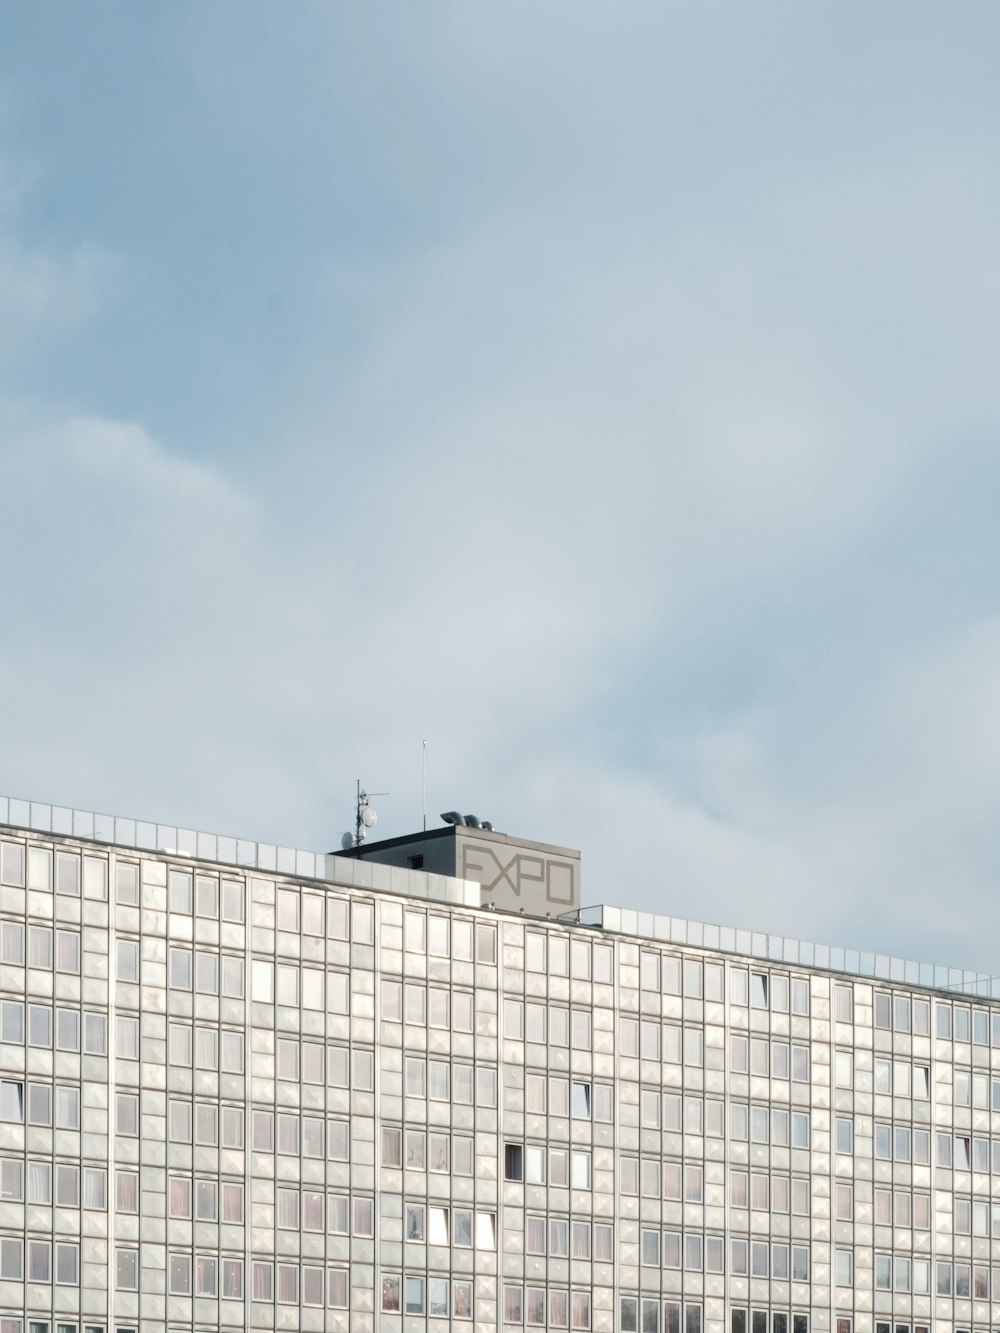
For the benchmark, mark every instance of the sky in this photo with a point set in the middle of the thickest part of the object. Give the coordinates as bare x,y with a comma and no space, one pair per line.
606,394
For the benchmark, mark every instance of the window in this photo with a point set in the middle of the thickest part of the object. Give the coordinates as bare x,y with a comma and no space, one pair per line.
232,910
558,1312
39,947
232,977
486,1231
392,1147
180,892
486,944
513,1161
262,1281
513,1305
206,1200
337,1288
40,869
232,1279
288,1209
67,1029
67,1186
288,1134
263,1131
416,1076
179,1044
68,1265
461,1304
390,1295
363,1217
12,944
39,1182
12,864
12,1179
67,1108
127,1114
313,1209
206,973
126,1038
127,883
179,1197
413,1289
180,1275
12,1022
845,1136
95,1033
206,892
10,1259
844,1004
68,951
363,923
206,1048
439,1153
232,1052
126,1269
179,1121
95,877
232,1203
287,913
68,874
39,1261
180,969
486,1086
232,1127
205,1275
95,1188
39,1025
312,1137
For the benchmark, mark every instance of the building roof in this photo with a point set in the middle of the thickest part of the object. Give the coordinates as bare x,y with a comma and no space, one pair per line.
170,840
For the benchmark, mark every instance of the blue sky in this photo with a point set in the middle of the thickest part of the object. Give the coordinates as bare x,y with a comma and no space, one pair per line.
606,393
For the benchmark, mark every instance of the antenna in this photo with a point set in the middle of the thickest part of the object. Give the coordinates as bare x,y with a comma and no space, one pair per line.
423,782
364,818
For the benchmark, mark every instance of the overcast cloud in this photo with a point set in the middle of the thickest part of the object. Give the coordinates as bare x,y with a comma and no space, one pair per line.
607,393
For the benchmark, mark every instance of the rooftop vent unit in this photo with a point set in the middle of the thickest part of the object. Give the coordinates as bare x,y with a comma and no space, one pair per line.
466,821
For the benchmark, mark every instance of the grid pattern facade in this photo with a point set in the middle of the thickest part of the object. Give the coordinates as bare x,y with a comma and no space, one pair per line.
231,1099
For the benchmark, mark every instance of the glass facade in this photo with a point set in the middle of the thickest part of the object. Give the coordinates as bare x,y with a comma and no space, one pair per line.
234,1098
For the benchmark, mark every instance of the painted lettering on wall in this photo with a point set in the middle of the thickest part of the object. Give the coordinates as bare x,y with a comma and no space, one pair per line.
511,877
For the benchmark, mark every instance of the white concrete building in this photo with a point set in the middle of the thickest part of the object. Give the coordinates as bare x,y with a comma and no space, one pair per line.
250,1087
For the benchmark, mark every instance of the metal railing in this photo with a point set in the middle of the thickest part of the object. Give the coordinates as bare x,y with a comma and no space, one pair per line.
171,840
783,949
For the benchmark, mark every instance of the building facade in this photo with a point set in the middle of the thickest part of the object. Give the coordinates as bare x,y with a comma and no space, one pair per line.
248,1087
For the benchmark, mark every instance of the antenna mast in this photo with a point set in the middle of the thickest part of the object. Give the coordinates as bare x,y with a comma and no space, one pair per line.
364,816
423,776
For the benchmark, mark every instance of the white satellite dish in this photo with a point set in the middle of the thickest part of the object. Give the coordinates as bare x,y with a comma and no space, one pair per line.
347,841
369,817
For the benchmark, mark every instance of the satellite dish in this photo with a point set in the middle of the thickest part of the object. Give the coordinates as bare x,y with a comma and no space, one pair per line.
472,821
347,841
453,817
369,817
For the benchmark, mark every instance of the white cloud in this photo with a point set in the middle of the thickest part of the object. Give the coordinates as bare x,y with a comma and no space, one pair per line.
41,295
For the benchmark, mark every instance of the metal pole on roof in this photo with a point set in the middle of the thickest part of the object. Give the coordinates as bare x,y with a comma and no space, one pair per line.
423,781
